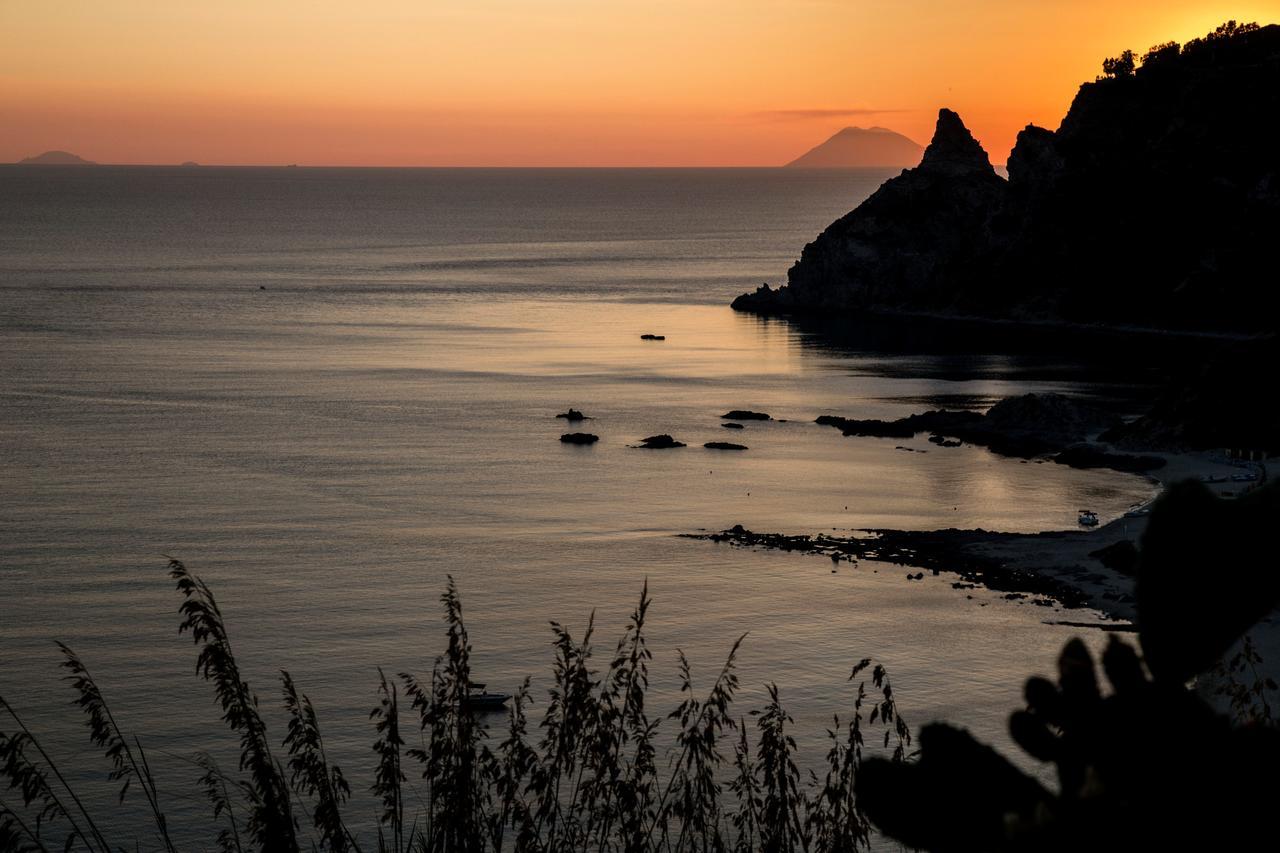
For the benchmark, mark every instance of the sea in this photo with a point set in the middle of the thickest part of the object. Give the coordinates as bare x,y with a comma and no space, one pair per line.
327,391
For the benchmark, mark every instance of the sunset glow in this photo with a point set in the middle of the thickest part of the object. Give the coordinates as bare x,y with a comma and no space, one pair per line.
553,82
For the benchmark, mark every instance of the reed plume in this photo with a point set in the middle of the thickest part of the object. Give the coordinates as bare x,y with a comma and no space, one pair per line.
217,791
311,773
388,780
128,763
271,820
593,781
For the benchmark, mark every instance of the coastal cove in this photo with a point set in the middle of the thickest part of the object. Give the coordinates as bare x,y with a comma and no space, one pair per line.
390,400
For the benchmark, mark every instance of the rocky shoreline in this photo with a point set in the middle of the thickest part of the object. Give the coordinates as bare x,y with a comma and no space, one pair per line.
1032,425
935,550
1059,569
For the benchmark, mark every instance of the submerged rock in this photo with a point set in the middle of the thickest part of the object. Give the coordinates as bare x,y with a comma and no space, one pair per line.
653,337
579,438
659,442
745,415
724,445
573,415
732,426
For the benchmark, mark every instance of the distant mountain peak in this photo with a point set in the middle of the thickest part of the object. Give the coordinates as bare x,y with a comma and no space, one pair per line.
56,158
861,146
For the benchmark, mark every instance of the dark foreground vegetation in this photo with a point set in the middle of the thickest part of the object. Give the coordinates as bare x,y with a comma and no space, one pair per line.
1148,765
593,777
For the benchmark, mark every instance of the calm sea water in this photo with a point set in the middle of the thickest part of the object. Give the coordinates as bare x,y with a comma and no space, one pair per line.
327,389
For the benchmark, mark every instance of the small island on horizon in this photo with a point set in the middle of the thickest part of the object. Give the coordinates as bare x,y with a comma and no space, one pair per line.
861,147
56,158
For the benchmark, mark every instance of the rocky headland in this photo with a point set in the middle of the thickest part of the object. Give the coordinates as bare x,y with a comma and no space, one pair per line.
1154,204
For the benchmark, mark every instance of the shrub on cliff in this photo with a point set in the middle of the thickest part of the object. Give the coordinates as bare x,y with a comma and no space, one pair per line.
1118,67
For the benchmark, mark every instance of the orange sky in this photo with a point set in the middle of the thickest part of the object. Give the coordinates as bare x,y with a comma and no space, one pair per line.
547,82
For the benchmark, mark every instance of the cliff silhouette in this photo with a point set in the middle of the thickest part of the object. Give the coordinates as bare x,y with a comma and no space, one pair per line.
1155,204
855,147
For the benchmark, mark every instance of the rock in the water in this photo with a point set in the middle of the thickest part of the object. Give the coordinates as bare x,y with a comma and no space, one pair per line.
1016,426
1052,418
1025,426
732,426
872,428
659,442
573,415
745,415
724,445
579,438
653,337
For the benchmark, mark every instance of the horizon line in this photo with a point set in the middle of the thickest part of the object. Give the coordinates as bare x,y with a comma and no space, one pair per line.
471,166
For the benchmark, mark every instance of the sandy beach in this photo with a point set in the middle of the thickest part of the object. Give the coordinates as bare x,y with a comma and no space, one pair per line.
1067,556
1060,570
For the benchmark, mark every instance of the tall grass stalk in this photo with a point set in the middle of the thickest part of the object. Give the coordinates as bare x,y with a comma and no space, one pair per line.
128,763
312,774
271,820
33,782
594,780
388,780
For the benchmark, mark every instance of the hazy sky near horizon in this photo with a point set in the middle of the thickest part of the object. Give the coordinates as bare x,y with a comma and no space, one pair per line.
548,82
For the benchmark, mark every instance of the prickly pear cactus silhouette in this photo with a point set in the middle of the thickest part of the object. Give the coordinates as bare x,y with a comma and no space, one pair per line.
1142,762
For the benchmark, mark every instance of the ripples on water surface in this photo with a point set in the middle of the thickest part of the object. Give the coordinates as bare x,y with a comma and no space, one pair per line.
326,449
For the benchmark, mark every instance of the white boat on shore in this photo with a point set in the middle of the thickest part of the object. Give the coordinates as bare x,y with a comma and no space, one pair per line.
1088,518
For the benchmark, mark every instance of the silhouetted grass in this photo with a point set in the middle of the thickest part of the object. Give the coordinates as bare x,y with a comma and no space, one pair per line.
590,778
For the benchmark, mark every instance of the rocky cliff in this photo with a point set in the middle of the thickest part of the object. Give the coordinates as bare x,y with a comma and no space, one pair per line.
1156,203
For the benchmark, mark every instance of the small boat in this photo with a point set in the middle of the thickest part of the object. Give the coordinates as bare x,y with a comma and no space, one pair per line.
1088,518
480,699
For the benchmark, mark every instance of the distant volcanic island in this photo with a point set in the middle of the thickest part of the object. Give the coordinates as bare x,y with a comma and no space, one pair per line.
56,158
1155,204
855,147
